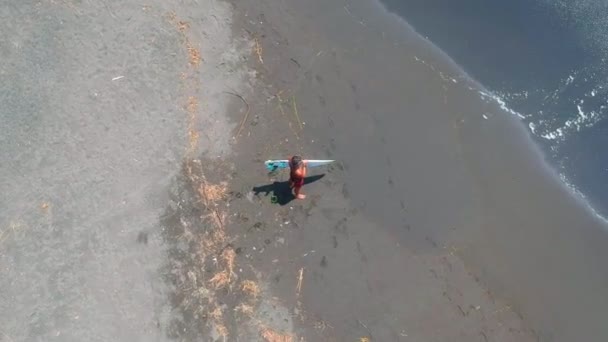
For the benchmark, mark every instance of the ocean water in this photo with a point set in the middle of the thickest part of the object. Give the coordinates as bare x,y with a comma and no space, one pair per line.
545,61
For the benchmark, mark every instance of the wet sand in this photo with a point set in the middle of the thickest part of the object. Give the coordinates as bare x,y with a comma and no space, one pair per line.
427,171
438,223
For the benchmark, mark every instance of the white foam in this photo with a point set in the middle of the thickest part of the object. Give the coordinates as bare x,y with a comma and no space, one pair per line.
583,120
577,193
558,133
532,127
580,112
501,103
569,80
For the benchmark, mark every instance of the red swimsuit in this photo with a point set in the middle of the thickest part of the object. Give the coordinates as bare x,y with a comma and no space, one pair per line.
296,180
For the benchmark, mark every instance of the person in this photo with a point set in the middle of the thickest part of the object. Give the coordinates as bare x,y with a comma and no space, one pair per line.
297,172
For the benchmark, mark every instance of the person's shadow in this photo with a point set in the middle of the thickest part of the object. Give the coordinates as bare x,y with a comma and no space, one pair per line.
281,193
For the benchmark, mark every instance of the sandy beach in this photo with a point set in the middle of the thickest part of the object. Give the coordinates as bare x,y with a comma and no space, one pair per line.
136,206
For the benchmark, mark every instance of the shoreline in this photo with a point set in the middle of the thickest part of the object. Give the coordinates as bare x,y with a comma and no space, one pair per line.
590,244
314,218
468,208
538,141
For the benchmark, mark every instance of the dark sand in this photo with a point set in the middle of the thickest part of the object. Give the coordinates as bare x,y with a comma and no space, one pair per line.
432,204
436,224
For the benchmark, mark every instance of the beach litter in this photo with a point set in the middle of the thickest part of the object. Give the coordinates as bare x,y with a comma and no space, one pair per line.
280,104
295,112
369,332
258,50
244,120
300,279
306,254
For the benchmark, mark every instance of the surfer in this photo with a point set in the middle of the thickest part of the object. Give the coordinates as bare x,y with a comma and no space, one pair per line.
297,172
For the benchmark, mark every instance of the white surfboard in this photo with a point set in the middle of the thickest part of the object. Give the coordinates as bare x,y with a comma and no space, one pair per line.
273,165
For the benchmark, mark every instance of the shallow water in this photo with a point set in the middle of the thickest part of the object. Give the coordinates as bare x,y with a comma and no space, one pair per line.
546,60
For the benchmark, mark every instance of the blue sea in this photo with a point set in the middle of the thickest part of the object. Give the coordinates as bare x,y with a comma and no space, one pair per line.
545,61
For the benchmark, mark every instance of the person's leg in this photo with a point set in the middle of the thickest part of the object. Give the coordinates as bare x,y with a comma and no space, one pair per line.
297,193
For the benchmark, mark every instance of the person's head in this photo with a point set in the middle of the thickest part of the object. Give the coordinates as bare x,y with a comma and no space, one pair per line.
296,161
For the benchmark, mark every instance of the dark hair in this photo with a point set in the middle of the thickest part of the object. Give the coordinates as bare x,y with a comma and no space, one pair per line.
296,160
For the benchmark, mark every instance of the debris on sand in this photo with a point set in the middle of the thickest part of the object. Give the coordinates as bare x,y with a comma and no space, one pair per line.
270,335
193,54
229,255
220,280
193,135
295,112
221,330
244,120
216,314
44,206
182,26
258,50
244,309
211,193
300,278
250,288
322,325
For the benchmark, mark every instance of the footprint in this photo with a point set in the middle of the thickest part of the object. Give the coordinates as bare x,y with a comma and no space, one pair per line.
142,237
341,227
345,192
360,250
324,261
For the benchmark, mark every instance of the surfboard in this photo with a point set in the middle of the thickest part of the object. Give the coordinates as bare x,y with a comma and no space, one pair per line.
273,165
